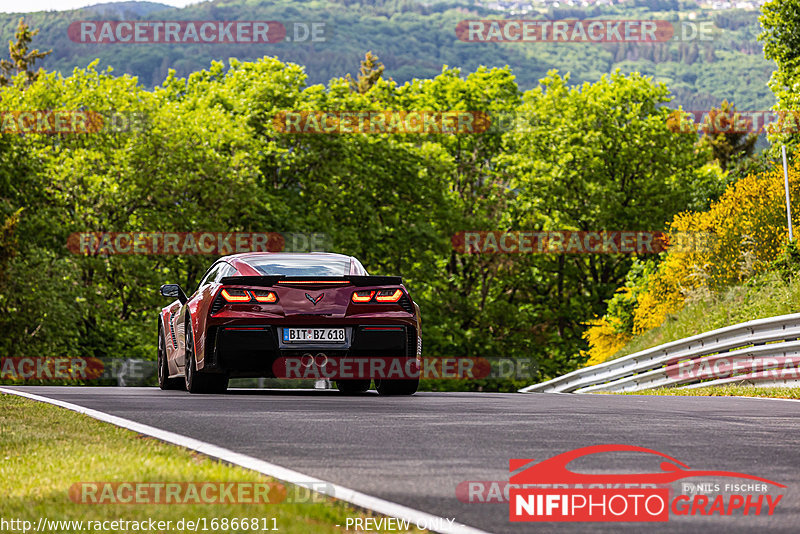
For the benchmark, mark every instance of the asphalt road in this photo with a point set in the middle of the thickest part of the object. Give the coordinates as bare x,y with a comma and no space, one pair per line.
416,450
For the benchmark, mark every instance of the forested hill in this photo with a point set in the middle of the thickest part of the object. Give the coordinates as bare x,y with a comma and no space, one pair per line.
414,39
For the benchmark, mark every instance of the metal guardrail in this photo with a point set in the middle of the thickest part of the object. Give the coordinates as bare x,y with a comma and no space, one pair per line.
764,351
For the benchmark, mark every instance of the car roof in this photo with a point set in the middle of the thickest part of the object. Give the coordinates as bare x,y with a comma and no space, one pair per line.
245,256
246,262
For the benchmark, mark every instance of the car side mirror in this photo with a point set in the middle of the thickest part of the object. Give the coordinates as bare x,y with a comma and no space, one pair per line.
174,291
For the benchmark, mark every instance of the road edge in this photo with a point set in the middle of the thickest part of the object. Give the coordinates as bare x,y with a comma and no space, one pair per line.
362,500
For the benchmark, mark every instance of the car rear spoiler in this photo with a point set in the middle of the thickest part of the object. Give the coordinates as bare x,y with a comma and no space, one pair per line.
271,280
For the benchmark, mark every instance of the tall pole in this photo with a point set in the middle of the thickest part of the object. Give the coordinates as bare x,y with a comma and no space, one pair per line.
786,186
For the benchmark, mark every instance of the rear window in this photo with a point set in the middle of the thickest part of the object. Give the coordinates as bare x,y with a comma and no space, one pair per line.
302,266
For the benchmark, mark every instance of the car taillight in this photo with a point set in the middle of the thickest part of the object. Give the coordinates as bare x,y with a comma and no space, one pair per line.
265,296
363,296
236,295
388,295
241,295
383,295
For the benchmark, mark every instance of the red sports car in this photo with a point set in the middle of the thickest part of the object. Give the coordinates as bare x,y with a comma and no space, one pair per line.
284,315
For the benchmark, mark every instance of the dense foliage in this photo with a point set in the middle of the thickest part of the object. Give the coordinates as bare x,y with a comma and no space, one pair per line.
587,150
743,234
747,224
206,157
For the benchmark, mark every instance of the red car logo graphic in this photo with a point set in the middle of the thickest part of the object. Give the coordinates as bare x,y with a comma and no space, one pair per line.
554,470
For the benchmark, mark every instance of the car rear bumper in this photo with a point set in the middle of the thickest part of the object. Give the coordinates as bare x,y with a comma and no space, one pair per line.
252,349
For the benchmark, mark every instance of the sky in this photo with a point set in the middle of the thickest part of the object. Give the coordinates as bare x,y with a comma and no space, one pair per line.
24,6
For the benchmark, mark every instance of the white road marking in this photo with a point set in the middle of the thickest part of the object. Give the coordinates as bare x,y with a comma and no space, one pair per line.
357,498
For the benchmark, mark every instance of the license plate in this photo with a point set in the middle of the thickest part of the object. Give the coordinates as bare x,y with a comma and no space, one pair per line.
313,335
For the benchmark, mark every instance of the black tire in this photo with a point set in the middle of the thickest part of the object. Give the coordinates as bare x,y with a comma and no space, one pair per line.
353,387
197,381
164,381
397,387
193,380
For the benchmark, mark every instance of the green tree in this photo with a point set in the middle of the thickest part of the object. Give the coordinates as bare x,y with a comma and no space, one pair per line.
206,156
591,158
22,59
370,72
729,146
781,37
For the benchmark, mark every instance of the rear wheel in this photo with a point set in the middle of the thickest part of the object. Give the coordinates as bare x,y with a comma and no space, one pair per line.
197,381
164,381
352,387
397,387
407,386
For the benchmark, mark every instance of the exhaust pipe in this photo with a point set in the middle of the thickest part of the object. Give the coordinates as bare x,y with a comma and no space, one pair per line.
307,360
321,359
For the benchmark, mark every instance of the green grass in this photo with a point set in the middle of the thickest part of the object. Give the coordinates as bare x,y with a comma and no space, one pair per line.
723,391
45,449
766,296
